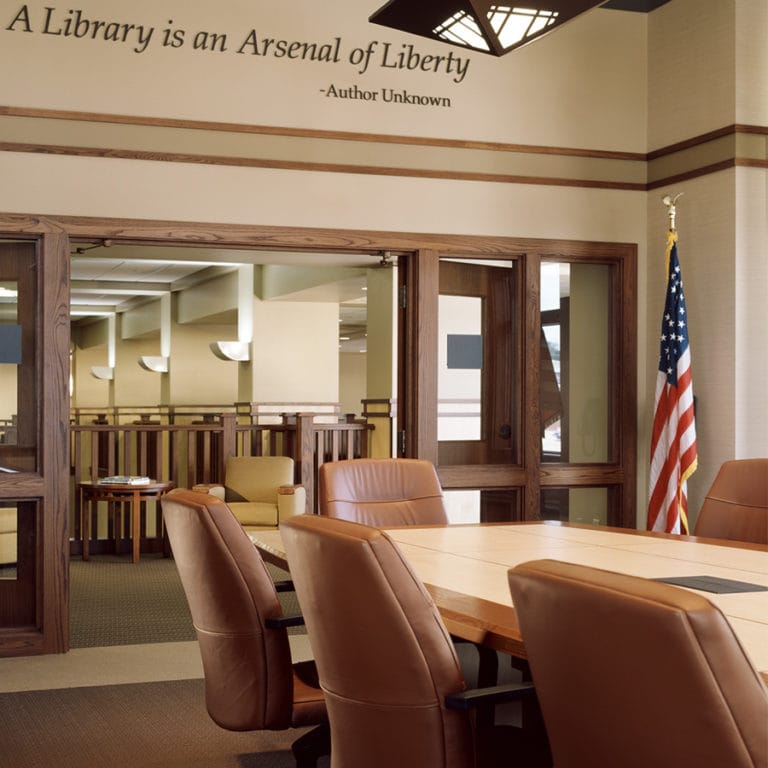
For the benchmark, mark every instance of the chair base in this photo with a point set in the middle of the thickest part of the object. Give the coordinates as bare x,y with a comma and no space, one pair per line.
311,746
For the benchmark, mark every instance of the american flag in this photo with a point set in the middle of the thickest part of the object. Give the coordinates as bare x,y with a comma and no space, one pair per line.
673,441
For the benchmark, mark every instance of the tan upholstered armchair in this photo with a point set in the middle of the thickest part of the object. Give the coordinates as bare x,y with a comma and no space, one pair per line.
259,490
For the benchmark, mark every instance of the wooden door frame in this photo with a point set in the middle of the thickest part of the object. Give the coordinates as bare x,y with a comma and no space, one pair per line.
531,475
418,397
47,487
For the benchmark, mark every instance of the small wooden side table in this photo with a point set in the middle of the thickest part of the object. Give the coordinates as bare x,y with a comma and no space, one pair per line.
90,494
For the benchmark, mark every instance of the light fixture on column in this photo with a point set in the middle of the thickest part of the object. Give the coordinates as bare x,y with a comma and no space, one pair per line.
103,372
154,363
480,25
232,350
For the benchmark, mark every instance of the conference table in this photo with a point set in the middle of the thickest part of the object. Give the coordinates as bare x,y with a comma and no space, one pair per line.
464,568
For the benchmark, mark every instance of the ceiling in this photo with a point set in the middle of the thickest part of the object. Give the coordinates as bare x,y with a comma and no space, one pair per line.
109,278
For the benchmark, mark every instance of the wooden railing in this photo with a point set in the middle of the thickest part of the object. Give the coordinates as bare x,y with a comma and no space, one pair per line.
186,454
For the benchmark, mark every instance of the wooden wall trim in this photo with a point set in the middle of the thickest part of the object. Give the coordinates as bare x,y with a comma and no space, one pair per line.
378,138
705,138
126,137
299,165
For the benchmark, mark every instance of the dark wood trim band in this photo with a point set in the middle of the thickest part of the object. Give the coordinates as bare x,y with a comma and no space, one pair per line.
704,138
291,165
693,174
307,133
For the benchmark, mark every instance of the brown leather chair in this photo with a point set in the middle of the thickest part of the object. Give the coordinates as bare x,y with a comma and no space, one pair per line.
386,492
385,659
250,681
634,673
381,492
736,506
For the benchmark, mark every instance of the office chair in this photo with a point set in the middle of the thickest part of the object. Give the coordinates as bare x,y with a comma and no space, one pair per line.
634,673
389,492
385,660
250,681
736,505
259,490
381,492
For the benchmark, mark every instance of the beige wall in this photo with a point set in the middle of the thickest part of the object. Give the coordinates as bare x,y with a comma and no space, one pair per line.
352,381
196,376
295,352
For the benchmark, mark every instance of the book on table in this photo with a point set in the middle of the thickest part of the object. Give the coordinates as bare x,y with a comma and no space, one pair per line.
125,480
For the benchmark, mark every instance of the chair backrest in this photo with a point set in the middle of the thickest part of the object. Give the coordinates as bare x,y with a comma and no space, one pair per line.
247,667
636,673
381,492
384,657
256,478
736,506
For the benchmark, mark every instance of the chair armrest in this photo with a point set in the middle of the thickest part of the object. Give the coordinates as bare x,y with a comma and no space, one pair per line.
493,695
214,489
283,622
291,500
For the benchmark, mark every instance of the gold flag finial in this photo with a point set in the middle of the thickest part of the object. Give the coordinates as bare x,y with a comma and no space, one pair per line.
671,202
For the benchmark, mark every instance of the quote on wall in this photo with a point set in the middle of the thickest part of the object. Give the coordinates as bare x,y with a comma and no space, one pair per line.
448,66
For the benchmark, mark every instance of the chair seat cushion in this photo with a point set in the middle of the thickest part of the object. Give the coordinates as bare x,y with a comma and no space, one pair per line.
255,513
309,702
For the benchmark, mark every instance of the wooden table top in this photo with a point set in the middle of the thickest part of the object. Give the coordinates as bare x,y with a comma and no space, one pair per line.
465,567
153,486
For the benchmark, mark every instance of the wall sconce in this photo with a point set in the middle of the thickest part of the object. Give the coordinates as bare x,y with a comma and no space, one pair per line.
480,25
104,372
231,350
154,363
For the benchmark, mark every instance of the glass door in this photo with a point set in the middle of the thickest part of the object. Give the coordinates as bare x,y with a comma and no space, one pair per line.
34,442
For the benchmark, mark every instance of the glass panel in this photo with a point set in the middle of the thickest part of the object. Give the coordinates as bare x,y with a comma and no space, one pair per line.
462,506
18,375
575,351
478,363
587,506
496,505
10,358
460,368
9,547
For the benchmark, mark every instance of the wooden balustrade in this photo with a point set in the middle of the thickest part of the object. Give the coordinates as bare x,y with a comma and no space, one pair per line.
187,454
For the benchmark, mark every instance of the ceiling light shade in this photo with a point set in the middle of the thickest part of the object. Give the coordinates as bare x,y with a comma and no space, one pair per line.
480,25
154,363
231,350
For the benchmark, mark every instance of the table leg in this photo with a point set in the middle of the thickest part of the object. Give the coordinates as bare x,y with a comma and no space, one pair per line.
135,519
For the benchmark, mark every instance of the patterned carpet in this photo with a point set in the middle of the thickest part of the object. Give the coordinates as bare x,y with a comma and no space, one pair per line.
149,725
116,602
160,724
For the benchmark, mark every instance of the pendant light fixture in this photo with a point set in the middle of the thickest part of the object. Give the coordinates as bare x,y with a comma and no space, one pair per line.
480,25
